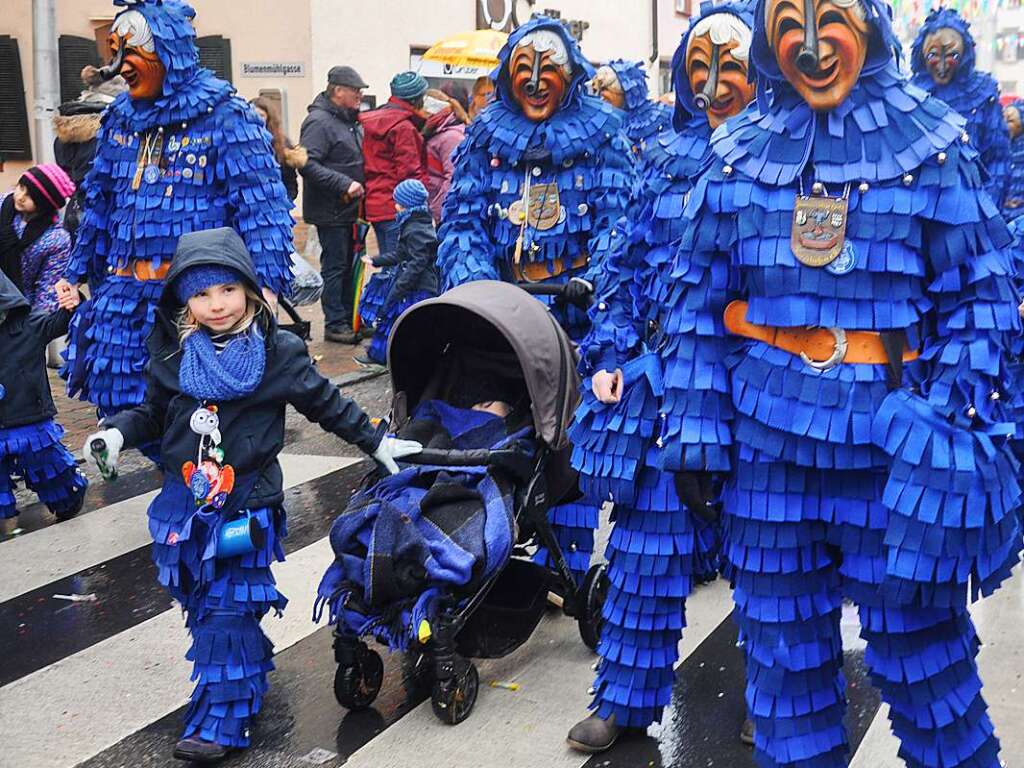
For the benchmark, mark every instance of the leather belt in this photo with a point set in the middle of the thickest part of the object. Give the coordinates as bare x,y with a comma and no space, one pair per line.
538,271
822,348
144,270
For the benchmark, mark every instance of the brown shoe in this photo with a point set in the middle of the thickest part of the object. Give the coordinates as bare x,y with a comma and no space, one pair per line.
593,734
747,732
341,336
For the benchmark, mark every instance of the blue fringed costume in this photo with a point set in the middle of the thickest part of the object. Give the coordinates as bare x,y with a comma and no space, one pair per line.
657,548
30,439
197,157
645,119
973,94
574,174
895,488
1013,192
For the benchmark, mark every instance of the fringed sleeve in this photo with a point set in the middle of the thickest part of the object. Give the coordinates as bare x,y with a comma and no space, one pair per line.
691,294
92,246
256,194
467,252
953,490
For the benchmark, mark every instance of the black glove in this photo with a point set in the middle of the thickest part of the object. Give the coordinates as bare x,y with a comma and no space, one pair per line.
578,291
696,490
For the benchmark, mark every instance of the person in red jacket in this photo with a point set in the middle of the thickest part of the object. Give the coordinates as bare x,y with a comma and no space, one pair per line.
393,150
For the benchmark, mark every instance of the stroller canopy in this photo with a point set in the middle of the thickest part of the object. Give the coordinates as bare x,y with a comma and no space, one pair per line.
490,315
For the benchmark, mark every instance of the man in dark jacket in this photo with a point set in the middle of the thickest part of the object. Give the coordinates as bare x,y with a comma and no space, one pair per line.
394,151
334,178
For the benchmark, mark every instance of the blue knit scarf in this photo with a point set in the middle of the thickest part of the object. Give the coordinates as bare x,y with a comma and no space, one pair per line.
231,374
402,215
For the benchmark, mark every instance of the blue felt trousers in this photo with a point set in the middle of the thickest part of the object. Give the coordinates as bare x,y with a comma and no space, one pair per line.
35,453
798,540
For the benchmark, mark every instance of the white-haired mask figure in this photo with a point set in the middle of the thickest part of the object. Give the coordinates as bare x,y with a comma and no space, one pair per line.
540,73
134,56
717,59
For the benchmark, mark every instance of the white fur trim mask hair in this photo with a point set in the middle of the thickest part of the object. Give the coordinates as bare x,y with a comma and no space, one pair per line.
724,28
545,40
133,27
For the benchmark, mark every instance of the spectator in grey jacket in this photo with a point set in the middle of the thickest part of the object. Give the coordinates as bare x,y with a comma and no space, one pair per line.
334,180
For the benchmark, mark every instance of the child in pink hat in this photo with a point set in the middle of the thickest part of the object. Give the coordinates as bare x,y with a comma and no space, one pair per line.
34,247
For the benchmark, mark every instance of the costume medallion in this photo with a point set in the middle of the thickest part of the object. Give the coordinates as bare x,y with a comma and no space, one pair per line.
819,229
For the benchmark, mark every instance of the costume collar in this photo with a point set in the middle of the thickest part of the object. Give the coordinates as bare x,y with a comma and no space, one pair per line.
885,129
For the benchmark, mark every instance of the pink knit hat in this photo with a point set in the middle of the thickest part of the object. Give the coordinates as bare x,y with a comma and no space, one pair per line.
48,186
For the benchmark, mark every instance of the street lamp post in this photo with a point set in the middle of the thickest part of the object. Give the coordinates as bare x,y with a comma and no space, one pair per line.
45,76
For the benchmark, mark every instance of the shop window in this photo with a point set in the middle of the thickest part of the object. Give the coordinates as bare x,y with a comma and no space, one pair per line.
74,53
15,143
215,54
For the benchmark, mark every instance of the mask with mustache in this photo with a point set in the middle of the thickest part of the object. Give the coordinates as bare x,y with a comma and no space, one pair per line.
820,47
538,82
718,78
943,52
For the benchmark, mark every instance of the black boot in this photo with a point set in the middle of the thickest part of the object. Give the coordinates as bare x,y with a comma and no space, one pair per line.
593,734
200,751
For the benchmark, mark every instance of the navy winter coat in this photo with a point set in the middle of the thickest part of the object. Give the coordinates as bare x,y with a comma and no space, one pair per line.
415,258
25,397
252,428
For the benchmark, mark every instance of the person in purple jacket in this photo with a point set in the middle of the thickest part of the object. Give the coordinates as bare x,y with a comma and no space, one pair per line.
34,247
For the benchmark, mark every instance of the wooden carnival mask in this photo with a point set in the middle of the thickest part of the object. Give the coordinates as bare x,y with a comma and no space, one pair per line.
539,73
820,46
1013,122
135,58
606,85
943,51
718,76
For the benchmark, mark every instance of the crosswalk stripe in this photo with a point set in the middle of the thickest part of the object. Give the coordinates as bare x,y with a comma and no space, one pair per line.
91,700
30,561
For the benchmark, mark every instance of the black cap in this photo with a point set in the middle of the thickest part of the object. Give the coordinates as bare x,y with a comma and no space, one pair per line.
345,76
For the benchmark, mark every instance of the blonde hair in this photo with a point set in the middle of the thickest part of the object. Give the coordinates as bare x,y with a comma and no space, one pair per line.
255,308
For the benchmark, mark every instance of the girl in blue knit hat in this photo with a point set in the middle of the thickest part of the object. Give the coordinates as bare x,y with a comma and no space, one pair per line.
220,376
409,274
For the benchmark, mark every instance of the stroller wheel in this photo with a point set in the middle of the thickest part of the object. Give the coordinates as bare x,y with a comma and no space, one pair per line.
453,699
592,595
357,685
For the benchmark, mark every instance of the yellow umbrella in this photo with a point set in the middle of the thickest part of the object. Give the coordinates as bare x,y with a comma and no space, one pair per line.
466,54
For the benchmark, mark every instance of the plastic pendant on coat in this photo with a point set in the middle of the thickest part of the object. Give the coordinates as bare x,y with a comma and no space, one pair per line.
241,536
209,478
845,262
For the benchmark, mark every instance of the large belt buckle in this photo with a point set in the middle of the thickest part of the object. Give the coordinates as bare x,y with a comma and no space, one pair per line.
837,356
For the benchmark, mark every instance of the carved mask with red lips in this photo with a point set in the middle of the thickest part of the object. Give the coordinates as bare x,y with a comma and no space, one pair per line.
820,47
538,82
141,66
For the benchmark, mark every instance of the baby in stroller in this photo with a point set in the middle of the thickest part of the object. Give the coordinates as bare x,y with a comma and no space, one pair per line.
427,561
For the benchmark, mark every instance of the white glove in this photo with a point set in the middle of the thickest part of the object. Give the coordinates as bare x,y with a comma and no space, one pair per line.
392,448
115,442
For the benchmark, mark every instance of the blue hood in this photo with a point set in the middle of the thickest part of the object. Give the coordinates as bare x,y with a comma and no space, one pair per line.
686,111
633,79
942,19
582,70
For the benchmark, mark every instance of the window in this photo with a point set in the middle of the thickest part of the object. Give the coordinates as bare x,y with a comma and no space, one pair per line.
15,143
665,76
215,54
74,53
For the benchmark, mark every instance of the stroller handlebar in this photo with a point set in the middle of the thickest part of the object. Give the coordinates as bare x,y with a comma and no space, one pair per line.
547,289
477,457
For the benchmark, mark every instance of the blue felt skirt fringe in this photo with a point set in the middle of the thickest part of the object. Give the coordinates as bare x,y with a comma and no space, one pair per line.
224,601
35,452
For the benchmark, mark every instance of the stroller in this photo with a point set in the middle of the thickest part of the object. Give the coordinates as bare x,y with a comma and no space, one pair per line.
484,330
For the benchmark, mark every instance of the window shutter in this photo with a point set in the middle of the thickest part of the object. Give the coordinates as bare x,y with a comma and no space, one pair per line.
74,53
215,54
15,143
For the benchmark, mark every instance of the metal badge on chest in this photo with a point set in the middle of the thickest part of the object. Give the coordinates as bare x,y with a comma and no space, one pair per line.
818,237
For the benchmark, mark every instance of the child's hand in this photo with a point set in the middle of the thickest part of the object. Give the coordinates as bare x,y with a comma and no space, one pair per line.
68,300
63,287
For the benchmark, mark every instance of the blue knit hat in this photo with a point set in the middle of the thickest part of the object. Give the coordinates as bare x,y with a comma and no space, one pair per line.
411,194
408,86
200,277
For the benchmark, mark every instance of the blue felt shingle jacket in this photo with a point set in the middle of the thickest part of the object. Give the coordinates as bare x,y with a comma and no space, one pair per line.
212,166
580,151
